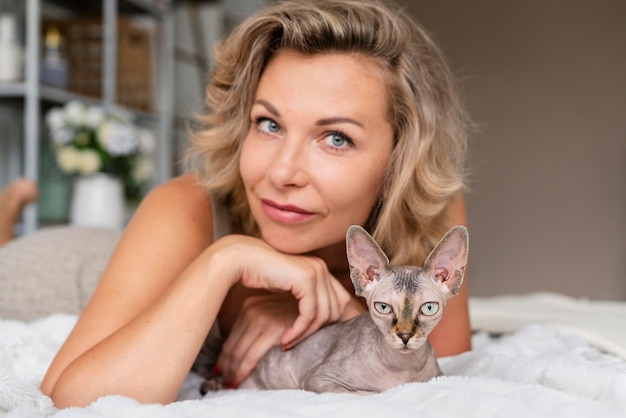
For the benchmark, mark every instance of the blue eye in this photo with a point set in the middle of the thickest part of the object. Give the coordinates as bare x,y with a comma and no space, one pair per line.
268,125
429,308
338,140
382,307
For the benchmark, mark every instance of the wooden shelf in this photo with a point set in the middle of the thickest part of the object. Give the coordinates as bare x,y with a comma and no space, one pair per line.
33,97
55,95
125,6
12,90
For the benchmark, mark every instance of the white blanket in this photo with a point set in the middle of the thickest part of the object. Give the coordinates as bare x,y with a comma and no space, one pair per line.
538,370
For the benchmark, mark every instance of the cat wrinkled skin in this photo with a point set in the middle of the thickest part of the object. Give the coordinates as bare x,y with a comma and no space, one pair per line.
383,348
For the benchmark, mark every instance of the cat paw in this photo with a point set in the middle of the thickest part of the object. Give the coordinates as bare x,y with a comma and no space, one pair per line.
212,385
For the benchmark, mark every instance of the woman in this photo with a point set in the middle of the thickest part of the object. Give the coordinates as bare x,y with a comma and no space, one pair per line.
322,114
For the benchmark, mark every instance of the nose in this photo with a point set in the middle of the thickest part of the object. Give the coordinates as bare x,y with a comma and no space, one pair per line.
289,166
405,336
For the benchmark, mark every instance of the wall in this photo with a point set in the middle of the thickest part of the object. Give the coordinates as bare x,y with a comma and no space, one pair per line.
546,83
198,26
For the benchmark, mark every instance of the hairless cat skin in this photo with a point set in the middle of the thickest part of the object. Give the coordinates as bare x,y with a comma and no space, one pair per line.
383,348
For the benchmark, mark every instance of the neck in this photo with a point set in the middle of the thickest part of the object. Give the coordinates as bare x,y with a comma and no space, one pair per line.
337,262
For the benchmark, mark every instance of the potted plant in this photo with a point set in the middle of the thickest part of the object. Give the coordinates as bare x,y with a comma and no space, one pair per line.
108,155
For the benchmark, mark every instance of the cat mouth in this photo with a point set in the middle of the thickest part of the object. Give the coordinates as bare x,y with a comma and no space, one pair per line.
404,348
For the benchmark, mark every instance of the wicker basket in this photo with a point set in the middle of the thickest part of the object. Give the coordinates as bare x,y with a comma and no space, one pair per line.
83,48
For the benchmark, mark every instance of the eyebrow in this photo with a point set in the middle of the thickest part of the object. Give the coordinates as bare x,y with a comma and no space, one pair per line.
268,106
321,122
330,121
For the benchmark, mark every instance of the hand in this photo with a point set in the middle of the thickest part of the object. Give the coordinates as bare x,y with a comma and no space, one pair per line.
320,297
258,328
261,322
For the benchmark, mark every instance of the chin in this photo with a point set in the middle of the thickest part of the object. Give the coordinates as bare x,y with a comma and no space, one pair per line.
288,243
416,345
296,240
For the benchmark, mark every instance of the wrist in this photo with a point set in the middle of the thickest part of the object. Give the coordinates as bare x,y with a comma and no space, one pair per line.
224,258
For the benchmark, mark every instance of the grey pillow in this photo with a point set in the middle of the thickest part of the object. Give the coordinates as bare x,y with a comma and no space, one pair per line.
53,270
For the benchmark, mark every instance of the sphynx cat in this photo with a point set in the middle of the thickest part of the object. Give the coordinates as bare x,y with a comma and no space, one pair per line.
383,348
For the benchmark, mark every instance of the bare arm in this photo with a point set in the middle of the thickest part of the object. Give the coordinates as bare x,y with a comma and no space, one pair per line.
453,334
160,295
170,229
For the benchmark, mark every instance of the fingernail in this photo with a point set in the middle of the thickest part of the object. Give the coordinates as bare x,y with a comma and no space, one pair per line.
232,385
216,370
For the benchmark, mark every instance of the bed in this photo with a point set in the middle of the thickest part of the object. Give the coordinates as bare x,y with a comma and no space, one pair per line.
539,355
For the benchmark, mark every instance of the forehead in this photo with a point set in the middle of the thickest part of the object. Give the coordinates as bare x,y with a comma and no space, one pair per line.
408,279
413,279
324,73
369,64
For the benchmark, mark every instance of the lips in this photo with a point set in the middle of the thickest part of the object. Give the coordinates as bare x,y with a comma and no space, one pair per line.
285,213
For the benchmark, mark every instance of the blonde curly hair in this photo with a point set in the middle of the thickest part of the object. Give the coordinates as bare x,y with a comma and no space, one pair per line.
426,168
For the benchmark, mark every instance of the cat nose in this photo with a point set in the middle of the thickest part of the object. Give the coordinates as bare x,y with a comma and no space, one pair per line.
405,336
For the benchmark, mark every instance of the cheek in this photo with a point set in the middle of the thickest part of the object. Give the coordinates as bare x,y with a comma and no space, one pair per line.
249,163
353,192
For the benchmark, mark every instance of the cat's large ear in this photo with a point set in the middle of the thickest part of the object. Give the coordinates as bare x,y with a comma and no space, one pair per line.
367,260
446,262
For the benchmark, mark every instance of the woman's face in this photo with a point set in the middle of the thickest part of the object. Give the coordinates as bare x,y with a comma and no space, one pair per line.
317,150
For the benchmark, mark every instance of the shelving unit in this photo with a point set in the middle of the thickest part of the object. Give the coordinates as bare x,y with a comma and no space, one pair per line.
32,93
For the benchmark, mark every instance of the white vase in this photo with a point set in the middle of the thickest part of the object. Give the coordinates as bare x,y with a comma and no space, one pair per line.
98,201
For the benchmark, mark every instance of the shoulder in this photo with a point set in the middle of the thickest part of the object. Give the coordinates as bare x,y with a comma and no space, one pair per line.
184,191
180,207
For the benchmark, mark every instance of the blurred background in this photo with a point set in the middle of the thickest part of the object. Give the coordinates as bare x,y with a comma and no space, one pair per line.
545,83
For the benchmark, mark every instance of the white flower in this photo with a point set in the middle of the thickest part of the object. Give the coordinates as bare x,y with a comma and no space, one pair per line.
94,116
75,112
55,119
118,139
88,162
63,135
67,157
84,137
72,160
143,169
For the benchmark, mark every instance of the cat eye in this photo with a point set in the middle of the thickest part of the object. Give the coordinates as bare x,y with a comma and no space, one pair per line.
430,308
382,307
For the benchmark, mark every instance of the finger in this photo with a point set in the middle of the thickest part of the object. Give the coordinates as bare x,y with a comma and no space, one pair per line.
326,299
232,348
341,299
330,296
301,328
327,308
246,365
307,312
334,307
344,297
248,350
